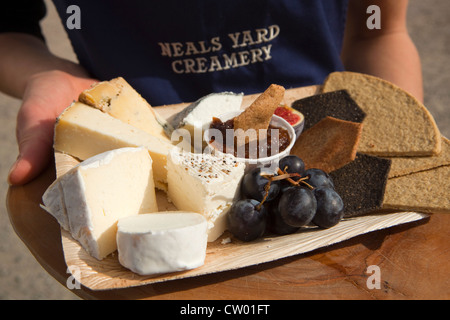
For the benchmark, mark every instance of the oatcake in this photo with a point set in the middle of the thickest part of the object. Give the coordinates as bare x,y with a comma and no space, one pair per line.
425,191
328,145
397,124
405,165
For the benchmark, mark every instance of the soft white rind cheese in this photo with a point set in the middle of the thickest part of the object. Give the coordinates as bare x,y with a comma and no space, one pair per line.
204,184
89,199
196,117
162,242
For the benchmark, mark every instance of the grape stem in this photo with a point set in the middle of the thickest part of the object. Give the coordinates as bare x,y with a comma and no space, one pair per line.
266,189
289,176
282,175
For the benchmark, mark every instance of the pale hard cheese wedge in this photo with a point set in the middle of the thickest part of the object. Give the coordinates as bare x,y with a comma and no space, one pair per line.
89,199
117,98
196,117
205,184
82,131
162,242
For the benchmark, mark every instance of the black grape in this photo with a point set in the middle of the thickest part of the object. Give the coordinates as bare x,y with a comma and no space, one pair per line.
297,206
246,220
330,207
292,164
253,186
275,223
318,178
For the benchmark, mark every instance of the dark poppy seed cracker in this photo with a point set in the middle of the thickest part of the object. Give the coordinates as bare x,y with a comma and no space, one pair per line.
337,104
362,183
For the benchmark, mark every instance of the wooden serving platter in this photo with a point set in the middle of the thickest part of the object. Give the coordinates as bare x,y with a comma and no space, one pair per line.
226,253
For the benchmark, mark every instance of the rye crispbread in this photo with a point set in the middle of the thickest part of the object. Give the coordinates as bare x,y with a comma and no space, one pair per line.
425,191
397,124
406,165
328,145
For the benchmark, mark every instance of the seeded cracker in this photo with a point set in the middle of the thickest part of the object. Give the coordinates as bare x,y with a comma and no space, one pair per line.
396,124
328,145
361,184
336,104
259,113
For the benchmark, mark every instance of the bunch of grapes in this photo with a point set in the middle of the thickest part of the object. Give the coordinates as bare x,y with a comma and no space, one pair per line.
282,203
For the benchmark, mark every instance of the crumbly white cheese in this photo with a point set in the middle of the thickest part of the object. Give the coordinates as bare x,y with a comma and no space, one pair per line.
205,184
162,242
89,199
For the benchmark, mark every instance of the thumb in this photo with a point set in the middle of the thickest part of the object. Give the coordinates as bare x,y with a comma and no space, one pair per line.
35,140
46,96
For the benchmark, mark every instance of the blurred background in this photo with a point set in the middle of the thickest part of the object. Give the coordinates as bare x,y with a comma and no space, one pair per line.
21,276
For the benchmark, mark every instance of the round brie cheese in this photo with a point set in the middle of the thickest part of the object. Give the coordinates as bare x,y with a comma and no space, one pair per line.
162,242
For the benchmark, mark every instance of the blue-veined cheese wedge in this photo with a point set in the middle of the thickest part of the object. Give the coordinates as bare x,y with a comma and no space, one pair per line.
119,99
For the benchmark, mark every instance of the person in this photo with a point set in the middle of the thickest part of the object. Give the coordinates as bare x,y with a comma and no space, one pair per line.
177,51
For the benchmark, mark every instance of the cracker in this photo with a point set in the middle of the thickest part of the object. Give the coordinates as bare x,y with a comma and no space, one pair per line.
397,124
361,184
425,191
405,165
336,104
328,145
259,113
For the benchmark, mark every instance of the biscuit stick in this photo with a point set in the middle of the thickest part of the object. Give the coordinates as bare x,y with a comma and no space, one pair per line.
258,115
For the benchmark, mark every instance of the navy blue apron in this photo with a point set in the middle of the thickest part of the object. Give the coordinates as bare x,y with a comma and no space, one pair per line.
177,51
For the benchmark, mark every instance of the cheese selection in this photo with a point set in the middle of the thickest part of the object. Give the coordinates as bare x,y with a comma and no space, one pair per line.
108,201
162,242
204,183
89,199
83,131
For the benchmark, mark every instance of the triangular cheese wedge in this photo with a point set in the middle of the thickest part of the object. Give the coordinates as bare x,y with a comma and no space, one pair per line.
89,199
82,132
397,124
117,98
